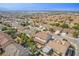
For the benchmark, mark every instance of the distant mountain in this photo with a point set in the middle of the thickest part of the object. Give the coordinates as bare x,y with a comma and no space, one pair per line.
3,9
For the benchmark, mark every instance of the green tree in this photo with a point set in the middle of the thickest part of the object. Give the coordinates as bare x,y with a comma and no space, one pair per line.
10,31
25,23
64,25
51,30
6,24
57,24
22,39
76,26
75,34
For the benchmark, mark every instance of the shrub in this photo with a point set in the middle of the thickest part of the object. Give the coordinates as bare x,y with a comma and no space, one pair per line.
64,25
75,34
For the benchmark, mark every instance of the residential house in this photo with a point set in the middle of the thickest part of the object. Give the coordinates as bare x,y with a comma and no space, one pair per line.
10,47
69,32
42,37
59,47
57,30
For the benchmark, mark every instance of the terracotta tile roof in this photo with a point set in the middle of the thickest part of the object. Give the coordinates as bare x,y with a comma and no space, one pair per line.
57,28
69,31
58,45
5,39
42,37
11,47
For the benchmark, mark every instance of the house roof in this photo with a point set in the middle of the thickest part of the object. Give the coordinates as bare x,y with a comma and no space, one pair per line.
11,47
42,37
69,30
59,45
15,50
5,39
57,28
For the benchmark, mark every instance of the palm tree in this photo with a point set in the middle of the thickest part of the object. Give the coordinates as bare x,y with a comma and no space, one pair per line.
23,39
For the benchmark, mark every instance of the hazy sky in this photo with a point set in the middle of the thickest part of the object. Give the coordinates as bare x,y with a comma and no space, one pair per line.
40,6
